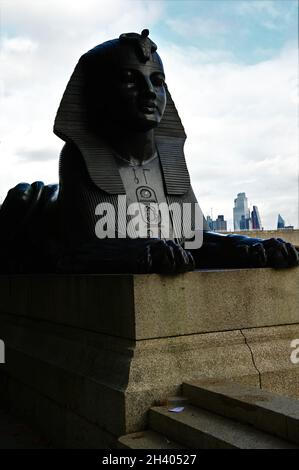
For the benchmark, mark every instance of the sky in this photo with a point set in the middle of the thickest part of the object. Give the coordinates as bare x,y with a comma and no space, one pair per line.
231,67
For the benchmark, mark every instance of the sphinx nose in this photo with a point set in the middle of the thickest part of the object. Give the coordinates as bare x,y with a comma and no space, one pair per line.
149,89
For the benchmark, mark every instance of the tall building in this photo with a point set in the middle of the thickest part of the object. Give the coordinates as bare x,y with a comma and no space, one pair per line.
220,224
245,224
210,222
280,222
241,213
256,219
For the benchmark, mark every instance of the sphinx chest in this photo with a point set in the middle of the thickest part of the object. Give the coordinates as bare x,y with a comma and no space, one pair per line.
145,192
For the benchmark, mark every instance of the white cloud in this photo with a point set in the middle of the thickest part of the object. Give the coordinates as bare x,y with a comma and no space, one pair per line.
241,122
18,44
267,13
257,7
64,21
197,27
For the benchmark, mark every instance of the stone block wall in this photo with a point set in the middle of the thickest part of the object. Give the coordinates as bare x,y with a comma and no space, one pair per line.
86,356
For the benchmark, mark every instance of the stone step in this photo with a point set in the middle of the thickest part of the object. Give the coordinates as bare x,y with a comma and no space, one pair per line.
147,440
277,415
200,429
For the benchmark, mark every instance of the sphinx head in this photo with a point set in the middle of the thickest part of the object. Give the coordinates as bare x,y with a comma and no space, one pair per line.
124,83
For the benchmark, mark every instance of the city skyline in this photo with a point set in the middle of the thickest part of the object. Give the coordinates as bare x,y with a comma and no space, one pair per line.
244,218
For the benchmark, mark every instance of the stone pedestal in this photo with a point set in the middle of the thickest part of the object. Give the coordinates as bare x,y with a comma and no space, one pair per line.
86,356
289,235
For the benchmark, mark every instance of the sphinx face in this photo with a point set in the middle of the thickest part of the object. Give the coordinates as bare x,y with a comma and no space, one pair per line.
127,93
139,96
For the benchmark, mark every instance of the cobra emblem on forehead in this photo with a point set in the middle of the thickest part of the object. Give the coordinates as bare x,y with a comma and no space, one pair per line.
144,46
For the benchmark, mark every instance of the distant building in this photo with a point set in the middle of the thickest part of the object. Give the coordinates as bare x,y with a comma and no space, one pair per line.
218,225
242,219
209,222
280,222
245,223
256,219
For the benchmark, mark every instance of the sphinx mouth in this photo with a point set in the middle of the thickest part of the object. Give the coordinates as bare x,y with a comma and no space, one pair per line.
148,108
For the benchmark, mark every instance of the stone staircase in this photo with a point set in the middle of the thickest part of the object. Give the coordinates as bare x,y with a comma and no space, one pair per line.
221,416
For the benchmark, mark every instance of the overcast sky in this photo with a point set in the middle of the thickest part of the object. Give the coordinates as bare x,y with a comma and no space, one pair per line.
231,67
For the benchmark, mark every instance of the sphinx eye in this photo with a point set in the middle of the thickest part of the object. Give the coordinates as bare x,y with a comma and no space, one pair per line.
128,77
157,79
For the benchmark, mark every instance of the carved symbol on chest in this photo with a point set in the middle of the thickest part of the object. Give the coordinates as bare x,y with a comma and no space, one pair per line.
143,176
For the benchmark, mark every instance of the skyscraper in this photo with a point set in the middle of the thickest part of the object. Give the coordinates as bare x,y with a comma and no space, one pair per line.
220,224
210,222
280,222
244,223
242,219
256,219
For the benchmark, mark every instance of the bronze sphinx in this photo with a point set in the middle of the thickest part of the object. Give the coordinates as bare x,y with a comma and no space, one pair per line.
123,137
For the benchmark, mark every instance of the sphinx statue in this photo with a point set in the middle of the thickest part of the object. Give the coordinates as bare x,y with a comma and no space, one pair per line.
124,147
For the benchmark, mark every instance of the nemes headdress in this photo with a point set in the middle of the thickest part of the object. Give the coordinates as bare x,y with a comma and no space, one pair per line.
143,45
72,124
